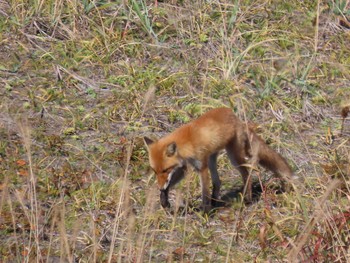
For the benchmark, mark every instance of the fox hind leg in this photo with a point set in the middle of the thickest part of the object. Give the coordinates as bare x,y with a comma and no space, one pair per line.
240,160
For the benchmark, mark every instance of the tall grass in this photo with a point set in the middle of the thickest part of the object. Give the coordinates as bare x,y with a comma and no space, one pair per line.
141,10
33,245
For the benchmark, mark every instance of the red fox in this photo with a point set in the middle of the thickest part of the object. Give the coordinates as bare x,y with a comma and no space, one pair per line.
198,143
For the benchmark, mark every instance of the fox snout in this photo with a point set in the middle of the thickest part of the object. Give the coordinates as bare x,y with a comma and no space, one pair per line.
162,180
167,180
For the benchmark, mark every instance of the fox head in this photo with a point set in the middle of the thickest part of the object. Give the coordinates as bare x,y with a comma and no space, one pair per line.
166,162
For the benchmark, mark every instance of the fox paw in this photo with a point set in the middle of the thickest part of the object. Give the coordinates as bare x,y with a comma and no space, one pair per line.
217,203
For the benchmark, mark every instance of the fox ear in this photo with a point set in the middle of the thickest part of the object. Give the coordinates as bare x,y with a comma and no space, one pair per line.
147,141
171,149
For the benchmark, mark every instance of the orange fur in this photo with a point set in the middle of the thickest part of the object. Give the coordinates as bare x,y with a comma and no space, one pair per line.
198,143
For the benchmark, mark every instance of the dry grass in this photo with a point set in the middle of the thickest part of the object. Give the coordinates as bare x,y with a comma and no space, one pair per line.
82,83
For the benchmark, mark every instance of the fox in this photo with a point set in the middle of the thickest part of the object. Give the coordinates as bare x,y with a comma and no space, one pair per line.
198,144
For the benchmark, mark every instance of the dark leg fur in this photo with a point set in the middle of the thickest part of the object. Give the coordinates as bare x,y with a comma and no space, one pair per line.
240,155
205,181
164,198
212,164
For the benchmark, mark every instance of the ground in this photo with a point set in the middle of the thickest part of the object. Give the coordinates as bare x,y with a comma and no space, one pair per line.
81,83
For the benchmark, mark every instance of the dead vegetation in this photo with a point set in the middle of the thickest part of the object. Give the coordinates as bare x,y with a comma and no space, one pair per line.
83,81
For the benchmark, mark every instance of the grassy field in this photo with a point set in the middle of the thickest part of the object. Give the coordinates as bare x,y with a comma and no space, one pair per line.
81,83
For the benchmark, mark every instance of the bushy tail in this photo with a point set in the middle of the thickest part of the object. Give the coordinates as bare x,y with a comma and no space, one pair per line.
272,160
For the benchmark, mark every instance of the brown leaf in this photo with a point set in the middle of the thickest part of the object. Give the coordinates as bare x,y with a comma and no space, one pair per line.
344,23
21,162
180,251
25,252
23,172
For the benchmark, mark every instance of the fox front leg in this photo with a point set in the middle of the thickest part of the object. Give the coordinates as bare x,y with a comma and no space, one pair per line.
212,163
205,181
